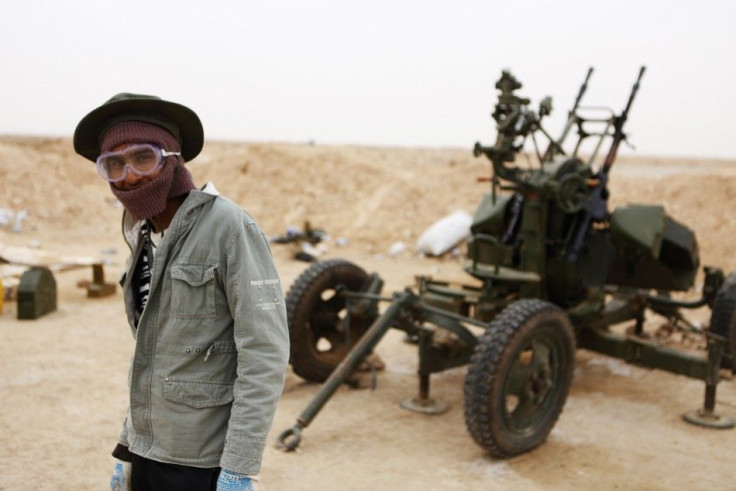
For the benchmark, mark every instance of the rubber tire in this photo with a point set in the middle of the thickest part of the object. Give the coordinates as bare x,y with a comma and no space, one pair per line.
499,351
305,305
723,320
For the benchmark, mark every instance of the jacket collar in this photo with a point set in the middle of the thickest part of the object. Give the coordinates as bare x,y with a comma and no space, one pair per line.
196,198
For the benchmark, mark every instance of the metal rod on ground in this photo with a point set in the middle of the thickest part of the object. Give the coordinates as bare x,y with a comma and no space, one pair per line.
290,439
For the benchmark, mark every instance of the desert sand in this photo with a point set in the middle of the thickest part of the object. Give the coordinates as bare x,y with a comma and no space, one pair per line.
63,376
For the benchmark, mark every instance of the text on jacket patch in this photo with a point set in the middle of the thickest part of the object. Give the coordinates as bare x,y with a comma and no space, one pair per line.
272,281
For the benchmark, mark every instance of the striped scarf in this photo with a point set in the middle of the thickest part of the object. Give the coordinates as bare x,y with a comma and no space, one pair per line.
142,274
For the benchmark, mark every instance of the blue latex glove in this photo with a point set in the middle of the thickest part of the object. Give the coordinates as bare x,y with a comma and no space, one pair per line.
120,480
231,481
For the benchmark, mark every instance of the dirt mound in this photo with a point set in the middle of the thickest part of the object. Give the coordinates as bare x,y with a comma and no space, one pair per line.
371,196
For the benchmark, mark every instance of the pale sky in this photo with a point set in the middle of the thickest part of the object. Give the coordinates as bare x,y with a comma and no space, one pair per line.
380,72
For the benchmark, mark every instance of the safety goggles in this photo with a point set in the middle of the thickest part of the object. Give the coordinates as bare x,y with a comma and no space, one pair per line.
140,159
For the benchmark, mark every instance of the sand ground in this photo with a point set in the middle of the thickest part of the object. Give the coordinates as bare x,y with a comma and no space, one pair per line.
63,376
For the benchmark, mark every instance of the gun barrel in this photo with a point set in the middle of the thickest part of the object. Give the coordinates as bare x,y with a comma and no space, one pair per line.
634,90
583,88
618,134
556,146
596,206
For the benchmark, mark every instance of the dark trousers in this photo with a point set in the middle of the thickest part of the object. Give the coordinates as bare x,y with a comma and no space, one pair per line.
149,475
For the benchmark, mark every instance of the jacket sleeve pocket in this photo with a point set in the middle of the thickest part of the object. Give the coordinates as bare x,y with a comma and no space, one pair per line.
198,393
193,291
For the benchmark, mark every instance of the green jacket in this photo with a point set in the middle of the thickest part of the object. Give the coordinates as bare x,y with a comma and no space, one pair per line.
212,343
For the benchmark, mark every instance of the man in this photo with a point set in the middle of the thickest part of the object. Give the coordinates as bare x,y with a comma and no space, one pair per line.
204,303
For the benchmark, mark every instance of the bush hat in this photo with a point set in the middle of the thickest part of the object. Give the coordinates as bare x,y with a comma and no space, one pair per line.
179,120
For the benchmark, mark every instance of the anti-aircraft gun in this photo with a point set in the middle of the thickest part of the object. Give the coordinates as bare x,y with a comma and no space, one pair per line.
557,270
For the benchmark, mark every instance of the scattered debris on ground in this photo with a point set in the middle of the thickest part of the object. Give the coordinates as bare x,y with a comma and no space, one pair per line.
308,242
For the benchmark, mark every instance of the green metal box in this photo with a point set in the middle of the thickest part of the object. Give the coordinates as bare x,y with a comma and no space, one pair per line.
36,293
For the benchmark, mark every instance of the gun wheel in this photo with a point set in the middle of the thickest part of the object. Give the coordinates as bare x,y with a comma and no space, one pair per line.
321,329
519,377
723,320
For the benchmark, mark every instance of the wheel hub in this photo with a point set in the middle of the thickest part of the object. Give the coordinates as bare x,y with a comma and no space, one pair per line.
540,383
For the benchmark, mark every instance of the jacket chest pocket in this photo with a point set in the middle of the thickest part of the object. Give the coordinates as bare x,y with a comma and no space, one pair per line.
193,291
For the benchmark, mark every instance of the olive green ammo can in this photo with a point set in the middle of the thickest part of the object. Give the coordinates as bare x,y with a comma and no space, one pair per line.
36,293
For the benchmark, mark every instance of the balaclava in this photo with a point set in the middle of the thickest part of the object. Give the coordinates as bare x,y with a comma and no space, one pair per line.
174,180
